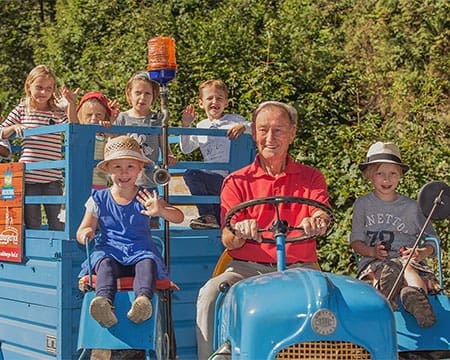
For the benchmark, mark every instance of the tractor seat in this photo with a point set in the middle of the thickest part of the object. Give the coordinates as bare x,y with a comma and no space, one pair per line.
125,284
225,259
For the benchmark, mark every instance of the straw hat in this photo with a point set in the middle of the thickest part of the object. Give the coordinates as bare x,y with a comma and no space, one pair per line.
122,147
381,152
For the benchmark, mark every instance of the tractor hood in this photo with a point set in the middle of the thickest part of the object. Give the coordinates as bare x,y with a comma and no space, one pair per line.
264,314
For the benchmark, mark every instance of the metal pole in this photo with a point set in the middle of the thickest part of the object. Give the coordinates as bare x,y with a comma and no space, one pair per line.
165,159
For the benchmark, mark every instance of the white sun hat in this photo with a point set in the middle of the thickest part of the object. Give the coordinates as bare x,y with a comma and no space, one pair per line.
382,152
122,147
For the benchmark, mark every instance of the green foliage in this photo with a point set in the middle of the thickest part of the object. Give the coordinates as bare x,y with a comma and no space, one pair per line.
16,51
356,71
99,45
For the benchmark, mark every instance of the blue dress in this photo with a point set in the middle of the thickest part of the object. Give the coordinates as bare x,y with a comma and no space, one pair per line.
125,234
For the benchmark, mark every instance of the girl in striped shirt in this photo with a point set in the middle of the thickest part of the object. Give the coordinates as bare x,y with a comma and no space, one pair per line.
40,107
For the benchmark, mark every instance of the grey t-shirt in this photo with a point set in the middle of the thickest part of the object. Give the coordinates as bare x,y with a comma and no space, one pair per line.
149,143
397,222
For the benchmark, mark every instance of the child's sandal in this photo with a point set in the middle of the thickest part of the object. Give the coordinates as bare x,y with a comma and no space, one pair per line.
141,309
102,310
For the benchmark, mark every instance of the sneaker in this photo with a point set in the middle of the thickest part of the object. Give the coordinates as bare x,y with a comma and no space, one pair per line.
204,222
416,303
388,277
102,310
141,309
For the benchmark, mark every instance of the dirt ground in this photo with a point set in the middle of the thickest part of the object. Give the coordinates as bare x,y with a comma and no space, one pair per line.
178,187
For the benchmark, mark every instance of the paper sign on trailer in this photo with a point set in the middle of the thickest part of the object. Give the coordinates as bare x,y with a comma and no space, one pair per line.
11,212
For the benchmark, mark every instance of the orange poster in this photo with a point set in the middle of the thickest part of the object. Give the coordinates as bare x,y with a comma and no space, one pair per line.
11,212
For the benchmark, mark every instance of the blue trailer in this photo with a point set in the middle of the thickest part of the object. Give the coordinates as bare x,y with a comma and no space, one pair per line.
41,305
39,298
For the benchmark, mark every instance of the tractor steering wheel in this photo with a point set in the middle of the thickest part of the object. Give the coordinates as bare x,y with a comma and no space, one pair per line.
279,224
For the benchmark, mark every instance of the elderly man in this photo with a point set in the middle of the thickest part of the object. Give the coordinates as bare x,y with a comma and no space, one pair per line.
273,173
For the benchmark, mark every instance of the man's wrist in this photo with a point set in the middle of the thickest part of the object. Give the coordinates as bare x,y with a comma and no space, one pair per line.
234,242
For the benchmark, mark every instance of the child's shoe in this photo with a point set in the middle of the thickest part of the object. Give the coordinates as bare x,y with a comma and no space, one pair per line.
416,303
141,309
204,222
100,354
102,311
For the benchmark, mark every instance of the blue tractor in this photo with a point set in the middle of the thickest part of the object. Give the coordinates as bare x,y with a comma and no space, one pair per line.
310,314
288,314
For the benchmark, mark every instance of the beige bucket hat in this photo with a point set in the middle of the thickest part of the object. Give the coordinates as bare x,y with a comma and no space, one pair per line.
122,147
381,152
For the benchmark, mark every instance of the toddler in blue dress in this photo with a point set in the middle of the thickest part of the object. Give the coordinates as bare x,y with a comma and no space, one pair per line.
124,246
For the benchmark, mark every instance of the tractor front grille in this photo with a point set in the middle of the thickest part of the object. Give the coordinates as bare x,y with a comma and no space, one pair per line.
324,350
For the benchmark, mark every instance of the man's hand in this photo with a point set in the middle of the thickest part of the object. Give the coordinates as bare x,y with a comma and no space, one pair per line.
247,230
244,230
316,225
172,159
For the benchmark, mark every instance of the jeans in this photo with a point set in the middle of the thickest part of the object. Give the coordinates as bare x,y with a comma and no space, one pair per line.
32,212
109,270
202,182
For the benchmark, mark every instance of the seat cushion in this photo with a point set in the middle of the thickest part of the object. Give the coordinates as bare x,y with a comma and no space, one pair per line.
125,283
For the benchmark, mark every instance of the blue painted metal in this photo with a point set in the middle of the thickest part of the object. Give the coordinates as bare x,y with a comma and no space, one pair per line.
276,309
148,335
40,304
439,258
413,338
281,252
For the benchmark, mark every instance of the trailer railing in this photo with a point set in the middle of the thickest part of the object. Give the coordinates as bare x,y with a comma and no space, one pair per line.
39,298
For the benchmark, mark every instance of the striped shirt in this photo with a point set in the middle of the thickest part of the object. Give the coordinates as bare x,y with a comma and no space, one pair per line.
35,148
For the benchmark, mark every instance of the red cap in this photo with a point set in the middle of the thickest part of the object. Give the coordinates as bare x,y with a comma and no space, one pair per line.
95,95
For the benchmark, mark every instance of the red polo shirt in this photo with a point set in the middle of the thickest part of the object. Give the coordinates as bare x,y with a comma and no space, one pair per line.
252,182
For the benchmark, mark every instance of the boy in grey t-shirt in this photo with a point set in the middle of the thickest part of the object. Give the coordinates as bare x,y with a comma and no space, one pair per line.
385,225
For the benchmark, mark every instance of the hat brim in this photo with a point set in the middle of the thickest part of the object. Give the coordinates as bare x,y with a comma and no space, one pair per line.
363,166
103,165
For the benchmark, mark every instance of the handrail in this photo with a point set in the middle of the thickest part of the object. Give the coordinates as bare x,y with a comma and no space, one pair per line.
439,259
78,158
